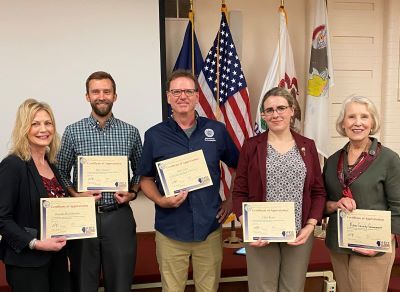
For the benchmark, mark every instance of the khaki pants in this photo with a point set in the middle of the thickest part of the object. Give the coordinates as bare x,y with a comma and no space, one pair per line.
278,267
358,273
173,261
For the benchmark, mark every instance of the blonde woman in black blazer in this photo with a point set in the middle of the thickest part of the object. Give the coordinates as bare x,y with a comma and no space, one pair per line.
26,175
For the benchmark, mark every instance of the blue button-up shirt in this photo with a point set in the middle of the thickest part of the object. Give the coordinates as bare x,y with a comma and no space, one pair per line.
195,218
86,137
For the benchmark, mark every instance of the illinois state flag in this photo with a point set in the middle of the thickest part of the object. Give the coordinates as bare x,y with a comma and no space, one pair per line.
320,78
223,92
282,73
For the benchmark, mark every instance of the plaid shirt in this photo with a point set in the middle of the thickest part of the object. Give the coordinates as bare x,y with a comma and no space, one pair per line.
86,137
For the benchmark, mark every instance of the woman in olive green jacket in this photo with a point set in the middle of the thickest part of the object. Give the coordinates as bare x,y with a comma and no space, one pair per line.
362,175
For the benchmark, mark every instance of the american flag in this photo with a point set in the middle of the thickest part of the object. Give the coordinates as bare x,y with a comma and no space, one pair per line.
223,93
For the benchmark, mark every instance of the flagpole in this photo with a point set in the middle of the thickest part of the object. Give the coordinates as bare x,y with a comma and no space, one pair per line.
232,241
191,19
218,112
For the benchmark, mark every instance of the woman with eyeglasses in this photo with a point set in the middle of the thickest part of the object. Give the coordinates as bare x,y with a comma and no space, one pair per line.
362,175
280,166
26,175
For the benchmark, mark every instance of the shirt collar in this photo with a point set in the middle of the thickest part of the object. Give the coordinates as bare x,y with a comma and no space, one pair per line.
175,125
109,122
371,150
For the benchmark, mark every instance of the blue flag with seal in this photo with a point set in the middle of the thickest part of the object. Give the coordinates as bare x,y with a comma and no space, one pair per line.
190,52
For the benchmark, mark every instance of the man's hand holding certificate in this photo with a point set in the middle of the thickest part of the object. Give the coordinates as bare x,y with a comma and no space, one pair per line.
270,221
73,217
367,229
185,172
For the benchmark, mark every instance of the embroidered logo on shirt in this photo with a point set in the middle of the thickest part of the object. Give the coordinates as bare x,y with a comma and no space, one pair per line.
209,135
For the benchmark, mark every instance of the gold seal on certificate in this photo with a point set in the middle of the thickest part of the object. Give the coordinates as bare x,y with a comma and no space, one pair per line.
270,221
102,173
185,172
73,217
369,229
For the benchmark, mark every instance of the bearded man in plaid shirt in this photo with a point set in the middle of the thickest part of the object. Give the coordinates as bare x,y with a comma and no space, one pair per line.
113,252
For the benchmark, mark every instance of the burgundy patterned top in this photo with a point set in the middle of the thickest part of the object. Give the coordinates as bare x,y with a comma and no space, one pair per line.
53,187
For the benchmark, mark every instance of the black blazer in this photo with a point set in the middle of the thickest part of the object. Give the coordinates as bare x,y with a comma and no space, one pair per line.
21,188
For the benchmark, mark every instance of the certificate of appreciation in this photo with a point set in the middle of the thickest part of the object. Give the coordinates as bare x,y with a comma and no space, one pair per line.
270,221
102,173
369,229
73,217
185,172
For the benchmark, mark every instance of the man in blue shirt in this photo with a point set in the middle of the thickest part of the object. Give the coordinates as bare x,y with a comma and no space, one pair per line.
113,252
187,225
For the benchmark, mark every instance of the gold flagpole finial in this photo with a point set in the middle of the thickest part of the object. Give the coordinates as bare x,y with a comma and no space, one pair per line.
282,3
191,13
224,9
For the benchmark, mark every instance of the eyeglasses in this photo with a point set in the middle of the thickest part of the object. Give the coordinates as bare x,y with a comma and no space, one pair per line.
178,92
279,110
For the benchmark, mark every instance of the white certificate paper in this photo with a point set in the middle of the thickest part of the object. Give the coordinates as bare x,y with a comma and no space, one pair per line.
185,172
72,217
368,229
270,221
102,173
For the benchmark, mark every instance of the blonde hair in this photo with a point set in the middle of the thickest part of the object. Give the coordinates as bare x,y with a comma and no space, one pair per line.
370,107
23,122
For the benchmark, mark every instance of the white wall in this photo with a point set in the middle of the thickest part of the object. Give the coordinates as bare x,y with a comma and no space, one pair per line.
49,48
391,76
356,35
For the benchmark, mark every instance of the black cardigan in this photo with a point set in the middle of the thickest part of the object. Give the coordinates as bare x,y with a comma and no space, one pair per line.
21,188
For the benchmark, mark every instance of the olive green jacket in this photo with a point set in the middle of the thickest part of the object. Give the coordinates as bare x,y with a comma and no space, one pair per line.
378,188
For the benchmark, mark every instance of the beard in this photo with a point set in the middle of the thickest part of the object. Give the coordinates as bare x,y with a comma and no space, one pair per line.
102,112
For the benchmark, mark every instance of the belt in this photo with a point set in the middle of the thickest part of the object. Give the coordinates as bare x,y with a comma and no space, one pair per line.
108,207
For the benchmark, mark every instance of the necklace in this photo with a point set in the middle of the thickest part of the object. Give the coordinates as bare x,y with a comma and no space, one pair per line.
53,188
360,156
346,178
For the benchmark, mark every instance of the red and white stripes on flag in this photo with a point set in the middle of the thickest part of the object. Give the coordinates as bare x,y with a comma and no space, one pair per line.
223,93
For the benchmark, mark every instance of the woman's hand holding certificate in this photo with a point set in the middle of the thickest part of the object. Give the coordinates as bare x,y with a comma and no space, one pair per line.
365,230
51,244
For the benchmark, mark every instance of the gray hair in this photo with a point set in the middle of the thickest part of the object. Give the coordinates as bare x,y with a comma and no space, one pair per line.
370,107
